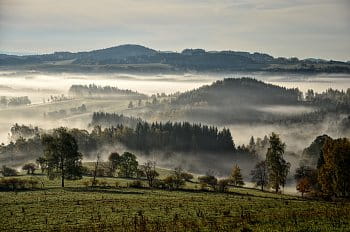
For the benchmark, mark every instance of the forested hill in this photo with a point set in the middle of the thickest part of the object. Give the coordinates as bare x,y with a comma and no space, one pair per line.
239,92
136,58
102,91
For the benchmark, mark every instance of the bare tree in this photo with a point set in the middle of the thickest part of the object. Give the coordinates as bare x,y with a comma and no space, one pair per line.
149,169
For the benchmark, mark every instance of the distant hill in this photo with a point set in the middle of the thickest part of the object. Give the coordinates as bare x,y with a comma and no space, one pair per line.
136,58
230,101
238,92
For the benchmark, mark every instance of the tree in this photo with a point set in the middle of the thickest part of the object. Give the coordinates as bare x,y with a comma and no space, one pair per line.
42,162
208,180
236,176
179,180
7,171
96,169
114,160
128,165
62,155
303,172
277,167
149,168
334,173
306,179
176,180
139,103
260,175
223,185
303,186
187,176
30,168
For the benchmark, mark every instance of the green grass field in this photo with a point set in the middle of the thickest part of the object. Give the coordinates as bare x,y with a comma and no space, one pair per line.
80,208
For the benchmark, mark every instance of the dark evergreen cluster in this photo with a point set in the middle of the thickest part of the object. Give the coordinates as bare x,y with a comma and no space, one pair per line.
180,137
112,119
93,90
145,137
239,92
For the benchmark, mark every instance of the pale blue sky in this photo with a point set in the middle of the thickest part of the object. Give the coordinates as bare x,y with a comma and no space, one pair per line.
309,28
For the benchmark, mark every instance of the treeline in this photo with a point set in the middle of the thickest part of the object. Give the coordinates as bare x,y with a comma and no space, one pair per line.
62,113
14,101
180,137
112,119
93,90
145,137
24,131
165,136
332,99
239,92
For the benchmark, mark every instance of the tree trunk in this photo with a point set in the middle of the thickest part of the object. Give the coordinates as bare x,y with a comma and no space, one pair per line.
62,181
62,172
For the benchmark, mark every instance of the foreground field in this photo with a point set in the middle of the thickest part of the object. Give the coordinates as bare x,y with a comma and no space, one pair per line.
78,208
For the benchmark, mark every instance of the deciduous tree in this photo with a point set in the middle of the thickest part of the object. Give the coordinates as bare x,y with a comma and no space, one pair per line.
260,175
62,155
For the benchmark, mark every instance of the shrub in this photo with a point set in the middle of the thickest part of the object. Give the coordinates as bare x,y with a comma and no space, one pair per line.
136,184
208,180
223,185
6,171
94,182
187,176
17,184
103,183
117,184
160,184
30,168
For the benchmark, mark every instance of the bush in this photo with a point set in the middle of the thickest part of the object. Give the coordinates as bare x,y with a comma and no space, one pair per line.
17,184
160,184
187,176
174,182
30,168
135,184
223,185
103,183
117,184
6,171
208,180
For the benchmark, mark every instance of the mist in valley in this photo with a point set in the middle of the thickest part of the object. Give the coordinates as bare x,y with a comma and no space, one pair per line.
40,87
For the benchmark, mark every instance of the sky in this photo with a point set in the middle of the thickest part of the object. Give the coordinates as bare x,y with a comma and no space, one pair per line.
288,28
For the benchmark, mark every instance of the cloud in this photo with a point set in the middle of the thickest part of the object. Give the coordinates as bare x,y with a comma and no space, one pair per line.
306,28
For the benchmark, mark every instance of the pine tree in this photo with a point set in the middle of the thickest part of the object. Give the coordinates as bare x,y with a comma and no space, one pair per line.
277,167
236,176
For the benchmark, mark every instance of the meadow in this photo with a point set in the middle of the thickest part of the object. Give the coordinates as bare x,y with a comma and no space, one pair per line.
119,207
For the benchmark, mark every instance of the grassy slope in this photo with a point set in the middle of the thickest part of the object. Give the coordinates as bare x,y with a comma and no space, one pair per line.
127,209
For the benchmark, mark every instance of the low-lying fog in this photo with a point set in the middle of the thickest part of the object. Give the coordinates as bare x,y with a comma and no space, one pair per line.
36,85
